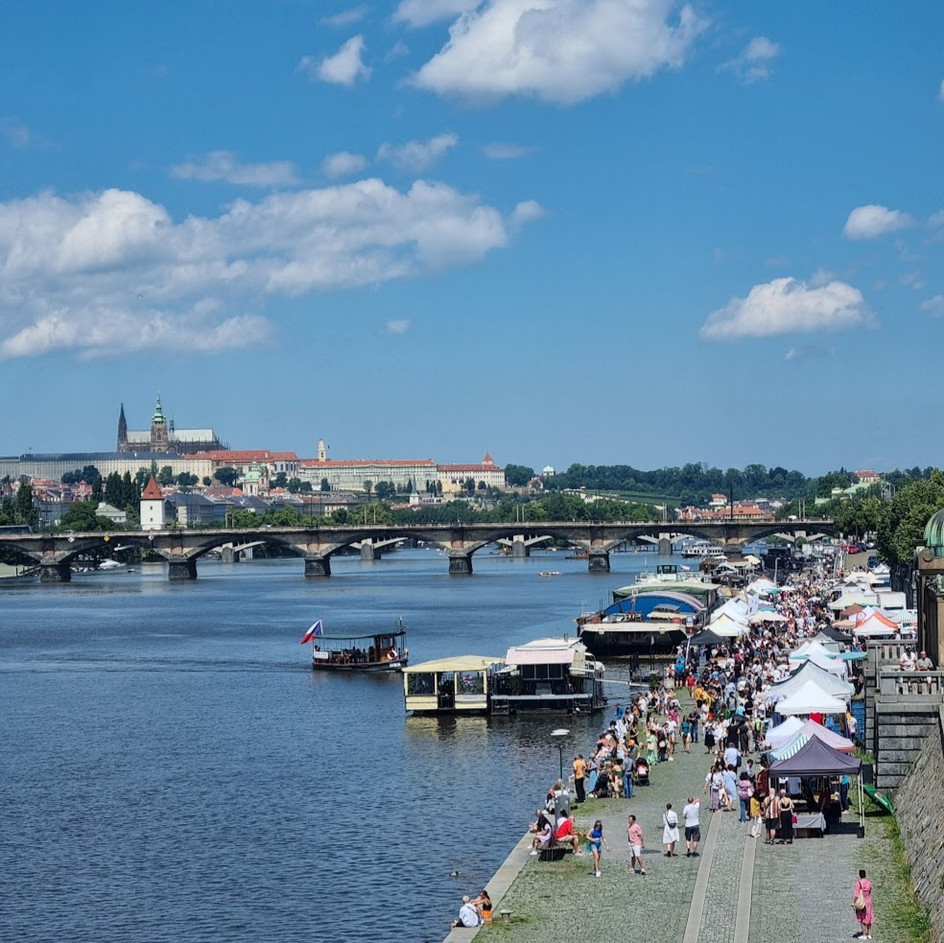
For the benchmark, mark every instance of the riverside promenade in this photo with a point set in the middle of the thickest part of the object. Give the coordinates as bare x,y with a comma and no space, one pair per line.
738,890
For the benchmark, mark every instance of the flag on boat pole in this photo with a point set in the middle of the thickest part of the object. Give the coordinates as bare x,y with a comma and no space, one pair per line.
314,630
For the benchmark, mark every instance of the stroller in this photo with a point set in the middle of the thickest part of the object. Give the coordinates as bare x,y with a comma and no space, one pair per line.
642,773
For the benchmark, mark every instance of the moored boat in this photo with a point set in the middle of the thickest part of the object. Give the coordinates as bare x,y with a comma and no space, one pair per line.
549,674
377,651
457,685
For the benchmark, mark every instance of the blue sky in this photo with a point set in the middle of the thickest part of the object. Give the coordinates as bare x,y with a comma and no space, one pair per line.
605,231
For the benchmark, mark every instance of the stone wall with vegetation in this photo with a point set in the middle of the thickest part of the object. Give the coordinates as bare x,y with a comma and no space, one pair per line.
919,809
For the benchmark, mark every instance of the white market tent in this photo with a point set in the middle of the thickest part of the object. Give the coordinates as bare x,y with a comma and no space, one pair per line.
810,698
728,627
876,623
809,671
762,586
767,615
783,733
808,730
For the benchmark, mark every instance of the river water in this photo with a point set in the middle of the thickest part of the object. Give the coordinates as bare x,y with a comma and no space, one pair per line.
172,770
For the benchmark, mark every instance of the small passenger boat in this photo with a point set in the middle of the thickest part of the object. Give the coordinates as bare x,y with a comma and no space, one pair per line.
378,651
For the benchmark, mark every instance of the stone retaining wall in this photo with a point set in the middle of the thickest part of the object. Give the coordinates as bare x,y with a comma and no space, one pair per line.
918,810
902,730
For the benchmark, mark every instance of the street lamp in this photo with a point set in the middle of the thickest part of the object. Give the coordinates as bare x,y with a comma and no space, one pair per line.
559,734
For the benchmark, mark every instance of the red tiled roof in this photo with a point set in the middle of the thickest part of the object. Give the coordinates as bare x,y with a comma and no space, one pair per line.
246,455
152,491
361,462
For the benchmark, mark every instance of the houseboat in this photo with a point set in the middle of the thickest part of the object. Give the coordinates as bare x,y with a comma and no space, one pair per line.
649,617
458,685
378,651
549,674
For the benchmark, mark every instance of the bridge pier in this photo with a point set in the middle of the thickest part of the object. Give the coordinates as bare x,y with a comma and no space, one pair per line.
369,552
179,571
460,564
55,572
229,555
519,549
598,561
665,546
317,567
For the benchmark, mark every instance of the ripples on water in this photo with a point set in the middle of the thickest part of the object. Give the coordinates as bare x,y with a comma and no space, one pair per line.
174,771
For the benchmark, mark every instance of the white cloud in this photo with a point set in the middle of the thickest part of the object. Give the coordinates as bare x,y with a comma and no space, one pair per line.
755,63
111,271
936,219
787,306
342,164
872,221
397,326
500,151
417,156
562,51
343,68
940,92
345,17
223,165
527,211
808,352
934,306
19,136
424,12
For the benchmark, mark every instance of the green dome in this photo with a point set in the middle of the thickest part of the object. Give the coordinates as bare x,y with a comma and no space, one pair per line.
934,533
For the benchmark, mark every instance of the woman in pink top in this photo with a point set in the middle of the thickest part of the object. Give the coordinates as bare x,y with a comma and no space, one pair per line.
864,915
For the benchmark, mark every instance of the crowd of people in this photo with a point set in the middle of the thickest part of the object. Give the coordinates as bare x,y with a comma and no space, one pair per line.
727,714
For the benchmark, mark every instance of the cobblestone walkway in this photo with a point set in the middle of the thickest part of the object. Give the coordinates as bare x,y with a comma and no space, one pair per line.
747,890
802,892
562,899
726,849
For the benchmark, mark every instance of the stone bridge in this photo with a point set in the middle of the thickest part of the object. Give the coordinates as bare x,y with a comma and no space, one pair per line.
181,549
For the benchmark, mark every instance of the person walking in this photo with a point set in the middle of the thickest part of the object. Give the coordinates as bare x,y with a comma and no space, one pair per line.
745,791
756,811
692,813
596,841
670,831
772,816
862,904
637,842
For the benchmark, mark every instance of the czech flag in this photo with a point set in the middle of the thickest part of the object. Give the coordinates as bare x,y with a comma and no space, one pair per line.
316,629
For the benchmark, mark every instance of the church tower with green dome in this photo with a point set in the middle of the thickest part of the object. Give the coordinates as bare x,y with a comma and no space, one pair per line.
160,433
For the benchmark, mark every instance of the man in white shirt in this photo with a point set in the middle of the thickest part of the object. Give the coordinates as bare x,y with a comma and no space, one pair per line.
691,813
468,915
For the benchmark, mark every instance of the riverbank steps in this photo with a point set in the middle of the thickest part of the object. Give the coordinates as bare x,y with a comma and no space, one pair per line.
739,890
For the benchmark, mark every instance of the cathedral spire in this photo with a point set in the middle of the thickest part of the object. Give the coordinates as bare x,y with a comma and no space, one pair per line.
122,430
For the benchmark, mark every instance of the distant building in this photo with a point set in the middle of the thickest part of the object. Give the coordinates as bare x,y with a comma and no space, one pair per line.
152,510
352,474
163,437
453,478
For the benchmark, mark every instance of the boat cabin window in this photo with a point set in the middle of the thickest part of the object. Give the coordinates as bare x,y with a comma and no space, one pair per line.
421,683
541,672
470,682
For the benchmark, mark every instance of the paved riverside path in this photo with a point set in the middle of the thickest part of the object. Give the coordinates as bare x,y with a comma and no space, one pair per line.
558,900
740,890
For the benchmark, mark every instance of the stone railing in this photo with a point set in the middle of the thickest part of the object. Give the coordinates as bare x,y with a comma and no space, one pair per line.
923,686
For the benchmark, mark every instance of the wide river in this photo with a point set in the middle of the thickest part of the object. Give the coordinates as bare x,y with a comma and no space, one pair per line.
172,770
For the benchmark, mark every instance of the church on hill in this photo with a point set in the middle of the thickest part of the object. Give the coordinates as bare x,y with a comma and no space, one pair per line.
164,437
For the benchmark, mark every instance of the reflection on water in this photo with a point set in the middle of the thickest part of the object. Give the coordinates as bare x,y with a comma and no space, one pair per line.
175,771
